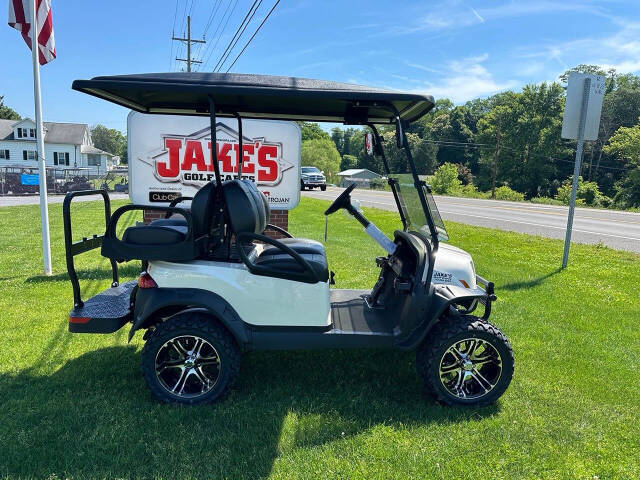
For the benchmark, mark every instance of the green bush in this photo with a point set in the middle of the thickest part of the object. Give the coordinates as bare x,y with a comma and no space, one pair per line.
546,201
506,193
445,180
588,193
377,183
471,191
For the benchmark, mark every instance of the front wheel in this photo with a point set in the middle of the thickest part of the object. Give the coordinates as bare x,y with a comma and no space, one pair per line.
466,361
323,188
190,359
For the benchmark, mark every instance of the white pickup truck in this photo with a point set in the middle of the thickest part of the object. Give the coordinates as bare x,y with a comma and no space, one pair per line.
311,177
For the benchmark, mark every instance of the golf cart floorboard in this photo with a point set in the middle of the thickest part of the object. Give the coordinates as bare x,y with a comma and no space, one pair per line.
354,325
105,312
351,315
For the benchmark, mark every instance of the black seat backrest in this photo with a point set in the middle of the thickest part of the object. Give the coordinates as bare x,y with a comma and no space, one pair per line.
245,206
203,209
267,208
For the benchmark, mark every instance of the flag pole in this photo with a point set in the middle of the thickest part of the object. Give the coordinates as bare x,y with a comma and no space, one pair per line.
44,212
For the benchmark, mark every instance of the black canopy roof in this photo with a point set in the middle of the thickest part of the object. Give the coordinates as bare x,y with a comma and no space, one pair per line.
256,96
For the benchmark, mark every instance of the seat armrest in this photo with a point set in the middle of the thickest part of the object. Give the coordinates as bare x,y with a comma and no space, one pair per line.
271,226
111,228
308,275
175,202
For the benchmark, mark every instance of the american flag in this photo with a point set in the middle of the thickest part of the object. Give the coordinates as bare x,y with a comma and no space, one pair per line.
20,19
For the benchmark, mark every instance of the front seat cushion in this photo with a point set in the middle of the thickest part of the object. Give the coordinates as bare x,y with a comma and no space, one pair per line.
284,263
155,234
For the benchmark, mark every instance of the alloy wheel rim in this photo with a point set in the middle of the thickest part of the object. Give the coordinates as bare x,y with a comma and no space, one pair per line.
470,368
187,366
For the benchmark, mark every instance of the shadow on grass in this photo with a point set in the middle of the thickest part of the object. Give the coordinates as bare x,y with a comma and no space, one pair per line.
95,418
530,283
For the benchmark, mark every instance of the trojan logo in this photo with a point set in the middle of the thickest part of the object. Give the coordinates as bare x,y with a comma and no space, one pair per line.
188,159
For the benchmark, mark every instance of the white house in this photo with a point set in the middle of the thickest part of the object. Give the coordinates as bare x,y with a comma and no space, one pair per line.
66,145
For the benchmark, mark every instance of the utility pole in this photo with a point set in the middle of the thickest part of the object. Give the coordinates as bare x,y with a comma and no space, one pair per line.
495,157
189,60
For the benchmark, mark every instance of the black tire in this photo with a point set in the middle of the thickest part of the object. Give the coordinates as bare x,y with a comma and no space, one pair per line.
436,351
323,188
301,185
182,327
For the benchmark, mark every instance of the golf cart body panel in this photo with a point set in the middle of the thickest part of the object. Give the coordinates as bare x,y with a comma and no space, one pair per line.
250,293
209,268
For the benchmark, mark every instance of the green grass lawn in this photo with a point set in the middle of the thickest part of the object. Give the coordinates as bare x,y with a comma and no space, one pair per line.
74,406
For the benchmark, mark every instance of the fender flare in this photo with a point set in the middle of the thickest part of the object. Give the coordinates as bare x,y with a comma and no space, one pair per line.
443,300
149,301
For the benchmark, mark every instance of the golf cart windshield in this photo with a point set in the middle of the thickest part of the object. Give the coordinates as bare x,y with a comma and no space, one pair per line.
415,217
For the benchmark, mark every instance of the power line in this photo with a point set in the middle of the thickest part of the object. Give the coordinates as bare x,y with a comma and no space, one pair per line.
214,10
254,34
236,36
184,13
173,31
191,9
223,28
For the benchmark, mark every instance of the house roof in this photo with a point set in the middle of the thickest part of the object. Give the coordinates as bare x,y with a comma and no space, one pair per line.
6,129
355,171
55,132
92,149
256,96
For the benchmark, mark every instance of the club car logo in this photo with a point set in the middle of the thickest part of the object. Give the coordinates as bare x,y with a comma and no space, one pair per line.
188,160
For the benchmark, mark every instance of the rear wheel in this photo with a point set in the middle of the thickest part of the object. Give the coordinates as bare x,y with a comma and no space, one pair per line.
190,359
466,361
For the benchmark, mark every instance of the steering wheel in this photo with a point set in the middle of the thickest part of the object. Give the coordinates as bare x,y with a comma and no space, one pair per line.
342,201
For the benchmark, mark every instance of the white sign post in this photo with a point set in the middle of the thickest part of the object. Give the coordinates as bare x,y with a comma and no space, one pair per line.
581,122
170,157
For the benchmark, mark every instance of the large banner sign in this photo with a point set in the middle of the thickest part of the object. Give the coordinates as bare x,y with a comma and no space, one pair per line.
170,156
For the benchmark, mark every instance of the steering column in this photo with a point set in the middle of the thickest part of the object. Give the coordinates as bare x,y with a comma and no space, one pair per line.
344,201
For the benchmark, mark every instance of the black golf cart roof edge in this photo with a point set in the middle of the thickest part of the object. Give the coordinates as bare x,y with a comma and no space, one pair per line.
256,96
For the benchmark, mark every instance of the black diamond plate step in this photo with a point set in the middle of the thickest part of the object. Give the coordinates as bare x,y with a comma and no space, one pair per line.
105,312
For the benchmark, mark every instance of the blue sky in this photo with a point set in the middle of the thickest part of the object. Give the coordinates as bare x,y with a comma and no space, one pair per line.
455,49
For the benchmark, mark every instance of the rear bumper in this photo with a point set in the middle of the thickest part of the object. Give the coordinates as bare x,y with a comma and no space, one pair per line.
489,297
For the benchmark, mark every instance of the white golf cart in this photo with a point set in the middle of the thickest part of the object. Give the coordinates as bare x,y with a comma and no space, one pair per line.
215,285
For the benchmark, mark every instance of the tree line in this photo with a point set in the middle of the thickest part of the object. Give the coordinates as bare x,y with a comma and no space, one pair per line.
512,140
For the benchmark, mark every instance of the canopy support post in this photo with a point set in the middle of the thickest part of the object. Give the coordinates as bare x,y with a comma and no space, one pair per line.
240,153
214,143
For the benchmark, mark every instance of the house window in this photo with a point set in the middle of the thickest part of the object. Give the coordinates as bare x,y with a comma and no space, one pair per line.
4,154
61,158
29,155
93,160
26,132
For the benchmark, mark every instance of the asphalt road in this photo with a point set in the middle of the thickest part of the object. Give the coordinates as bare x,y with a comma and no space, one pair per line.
618,230
11,200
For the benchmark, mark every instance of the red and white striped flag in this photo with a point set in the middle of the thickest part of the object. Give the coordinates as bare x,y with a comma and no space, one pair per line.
20,19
